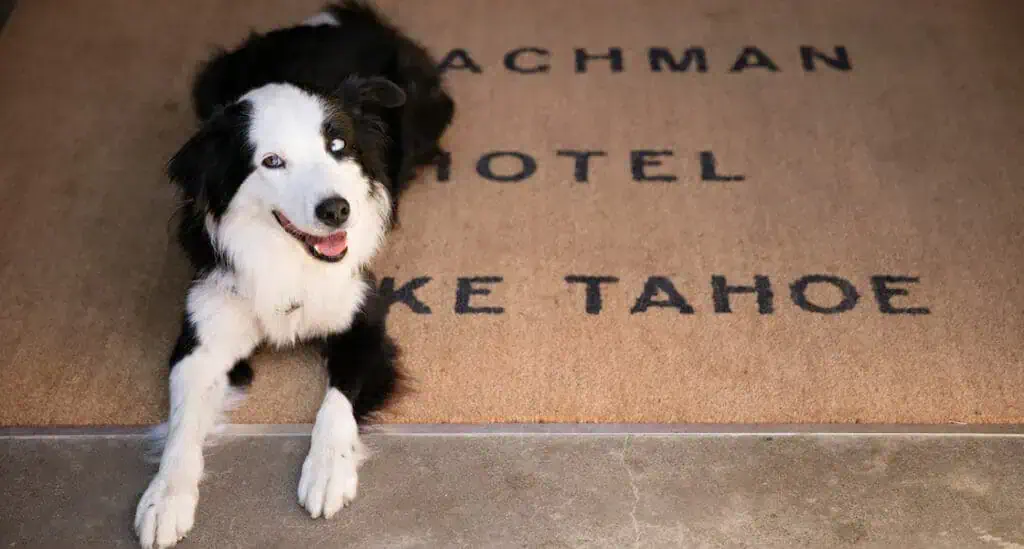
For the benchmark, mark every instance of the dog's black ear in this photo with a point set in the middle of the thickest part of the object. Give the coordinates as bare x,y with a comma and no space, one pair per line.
189,167
210,166
383,92
358,91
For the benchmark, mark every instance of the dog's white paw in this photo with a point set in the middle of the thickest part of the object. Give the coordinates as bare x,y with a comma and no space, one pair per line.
164,515
330,477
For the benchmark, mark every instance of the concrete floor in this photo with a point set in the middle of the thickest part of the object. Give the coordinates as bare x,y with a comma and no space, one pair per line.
544,491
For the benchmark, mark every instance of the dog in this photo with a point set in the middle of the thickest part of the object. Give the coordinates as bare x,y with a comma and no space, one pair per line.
307,136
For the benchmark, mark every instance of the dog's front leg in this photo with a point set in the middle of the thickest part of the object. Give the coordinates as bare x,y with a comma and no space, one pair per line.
219,331
363,371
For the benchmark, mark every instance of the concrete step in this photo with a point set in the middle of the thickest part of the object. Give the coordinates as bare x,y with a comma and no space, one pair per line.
546,491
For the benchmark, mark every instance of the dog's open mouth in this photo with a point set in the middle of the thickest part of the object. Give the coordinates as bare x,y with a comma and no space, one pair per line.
325,248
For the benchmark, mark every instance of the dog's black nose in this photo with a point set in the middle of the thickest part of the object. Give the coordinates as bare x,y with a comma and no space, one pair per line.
332,211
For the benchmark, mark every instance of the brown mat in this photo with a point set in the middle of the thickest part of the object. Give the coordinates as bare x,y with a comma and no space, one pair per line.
877,197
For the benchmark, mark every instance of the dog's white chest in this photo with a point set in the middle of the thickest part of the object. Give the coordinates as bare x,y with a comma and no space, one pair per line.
296,305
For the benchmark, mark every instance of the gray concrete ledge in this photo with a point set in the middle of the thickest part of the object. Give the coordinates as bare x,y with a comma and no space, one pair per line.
553,491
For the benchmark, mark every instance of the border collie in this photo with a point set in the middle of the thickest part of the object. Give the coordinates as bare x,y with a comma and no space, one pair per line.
307,137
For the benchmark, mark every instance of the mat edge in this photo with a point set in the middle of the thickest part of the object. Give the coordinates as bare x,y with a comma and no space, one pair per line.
552,429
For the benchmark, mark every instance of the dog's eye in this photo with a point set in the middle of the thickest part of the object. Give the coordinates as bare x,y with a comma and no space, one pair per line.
336,145
273,161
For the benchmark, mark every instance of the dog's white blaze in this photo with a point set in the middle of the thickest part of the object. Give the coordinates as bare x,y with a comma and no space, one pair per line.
288,122
329,479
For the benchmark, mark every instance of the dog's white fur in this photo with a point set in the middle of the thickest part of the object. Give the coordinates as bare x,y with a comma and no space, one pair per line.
322,18
329,480
235,310
198,387
272,269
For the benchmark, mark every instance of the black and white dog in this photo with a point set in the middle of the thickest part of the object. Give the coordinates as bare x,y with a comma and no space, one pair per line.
308,135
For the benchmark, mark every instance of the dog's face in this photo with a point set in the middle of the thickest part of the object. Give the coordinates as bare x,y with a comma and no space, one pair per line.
286,164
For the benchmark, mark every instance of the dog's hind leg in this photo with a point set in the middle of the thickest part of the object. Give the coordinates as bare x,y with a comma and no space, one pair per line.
220,332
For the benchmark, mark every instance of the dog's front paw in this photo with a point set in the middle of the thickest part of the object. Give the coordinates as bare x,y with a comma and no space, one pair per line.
330,475
164,514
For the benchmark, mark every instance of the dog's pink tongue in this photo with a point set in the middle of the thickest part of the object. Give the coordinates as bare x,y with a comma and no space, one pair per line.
333,246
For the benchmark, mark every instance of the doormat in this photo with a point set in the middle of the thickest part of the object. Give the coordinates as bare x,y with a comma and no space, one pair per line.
655,211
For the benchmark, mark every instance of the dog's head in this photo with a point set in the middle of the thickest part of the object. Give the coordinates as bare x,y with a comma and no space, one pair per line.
287,163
